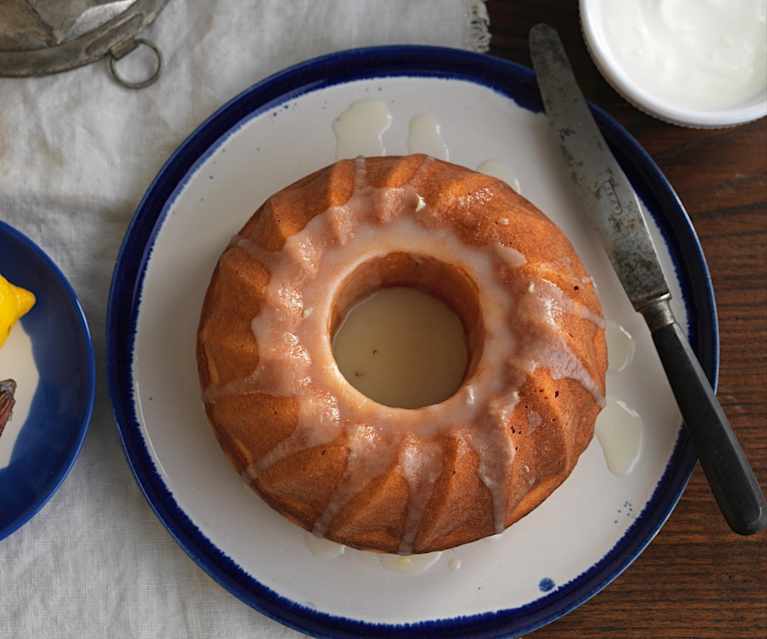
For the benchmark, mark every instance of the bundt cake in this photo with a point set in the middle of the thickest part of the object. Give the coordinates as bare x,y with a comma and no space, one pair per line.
393,479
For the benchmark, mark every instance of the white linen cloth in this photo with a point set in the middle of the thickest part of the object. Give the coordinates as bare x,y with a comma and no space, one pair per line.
76,153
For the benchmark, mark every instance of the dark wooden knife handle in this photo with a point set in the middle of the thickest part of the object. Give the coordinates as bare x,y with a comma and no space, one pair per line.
729,474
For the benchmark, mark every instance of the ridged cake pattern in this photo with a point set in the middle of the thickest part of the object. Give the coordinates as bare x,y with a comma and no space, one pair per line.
385,478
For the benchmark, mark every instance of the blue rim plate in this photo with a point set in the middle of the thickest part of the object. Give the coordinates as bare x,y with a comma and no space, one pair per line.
509,79
53,433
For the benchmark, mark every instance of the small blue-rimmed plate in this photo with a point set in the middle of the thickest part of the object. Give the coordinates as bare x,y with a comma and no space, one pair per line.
555,559
50,355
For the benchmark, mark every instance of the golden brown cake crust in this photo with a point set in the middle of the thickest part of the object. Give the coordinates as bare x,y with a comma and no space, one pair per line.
482,211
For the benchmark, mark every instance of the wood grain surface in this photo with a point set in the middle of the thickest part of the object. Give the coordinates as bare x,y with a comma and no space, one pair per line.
697,579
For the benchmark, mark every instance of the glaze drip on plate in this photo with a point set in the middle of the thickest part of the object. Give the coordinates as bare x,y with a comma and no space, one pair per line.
359,130
521,334
425,136
619,430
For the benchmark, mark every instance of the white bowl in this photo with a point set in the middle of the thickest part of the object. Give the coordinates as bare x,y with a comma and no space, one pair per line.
663,109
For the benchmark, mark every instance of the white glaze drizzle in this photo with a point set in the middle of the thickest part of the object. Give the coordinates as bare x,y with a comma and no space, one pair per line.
619,430
371,453
323,548
455,564
421,466
359,130
509,255
425,136
621,347
412,565
295,358
557,301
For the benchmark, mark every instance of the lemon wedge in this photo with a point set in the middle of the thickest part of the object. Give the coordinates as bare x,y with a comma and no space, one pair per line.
15,302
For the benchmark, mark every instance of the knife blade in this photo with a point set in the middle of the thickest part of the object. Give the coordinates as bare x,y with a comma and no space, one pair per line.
614,208
610,199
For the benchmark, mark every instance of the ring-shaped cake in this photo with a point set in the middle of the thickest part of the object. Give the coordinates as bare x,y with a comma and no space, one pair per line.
373,476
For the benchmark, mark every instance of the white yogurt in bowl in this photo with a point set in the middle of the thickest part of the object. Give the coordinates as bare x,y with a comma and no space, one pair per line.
699,63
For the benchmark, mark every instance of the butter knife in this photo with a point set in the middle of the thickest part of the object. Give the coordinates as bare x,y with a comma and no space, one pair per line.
614,208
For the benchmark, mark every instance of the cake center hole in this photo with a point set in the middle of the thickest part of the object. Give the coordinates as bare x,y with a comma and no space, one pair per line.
402,347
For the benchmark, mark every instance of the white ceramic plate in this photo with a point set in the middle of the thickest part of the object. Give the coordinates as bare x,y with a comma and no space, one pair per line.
555,558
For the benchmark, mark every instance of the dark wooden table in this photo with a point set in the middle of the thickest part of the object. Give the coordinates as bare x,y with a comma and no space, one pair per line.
697,579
